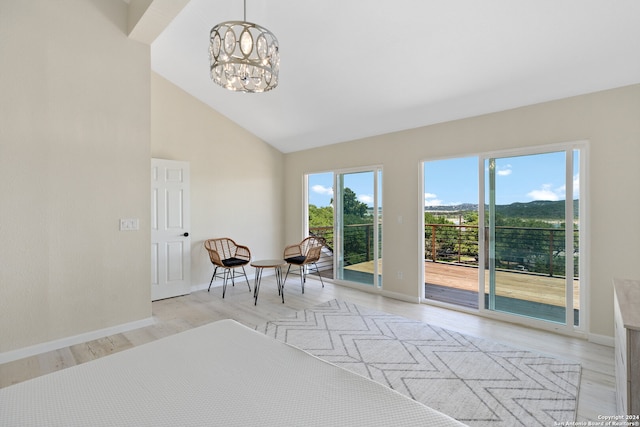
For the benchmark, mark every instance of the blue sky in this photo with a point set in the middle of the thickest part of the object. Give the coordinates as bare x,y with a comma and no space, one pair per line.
321,192
321,189
455,181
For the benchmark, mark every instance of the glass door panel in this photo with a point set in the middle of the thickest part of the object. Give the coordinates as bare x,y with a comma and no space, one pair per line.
320,215
451,251
528,236
358,218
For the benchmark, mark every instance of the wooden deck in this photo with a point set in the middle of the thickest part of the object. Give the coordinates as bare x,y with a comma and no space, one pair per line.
517,285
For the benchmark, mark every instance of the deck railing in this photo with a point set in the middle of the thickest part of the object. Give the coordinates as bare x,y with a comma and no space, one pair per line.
358,241
525,249
530,249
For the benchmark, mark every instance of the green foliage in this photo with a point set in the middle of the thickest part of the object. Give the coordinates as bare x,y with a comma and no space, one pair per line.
470,217
353,210
539,209
502,221
430,218
320,217
358,240
358,226
352,206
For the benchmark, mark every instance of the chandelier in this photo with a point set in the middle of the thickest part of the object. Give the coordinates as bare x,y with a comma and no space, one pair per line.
244,56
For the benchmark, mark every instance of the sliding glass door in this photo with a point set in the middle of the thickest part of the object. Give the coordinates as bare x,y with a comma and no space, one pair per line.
345,207
503,233
532,238
358,219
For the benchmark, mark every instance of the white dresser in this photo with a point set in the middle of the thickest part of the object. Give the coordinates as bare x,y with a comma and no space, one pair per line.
627,345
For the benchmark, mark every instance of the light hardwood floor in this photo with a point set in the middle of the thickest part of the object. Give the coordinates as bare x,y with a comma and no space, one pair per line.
174,315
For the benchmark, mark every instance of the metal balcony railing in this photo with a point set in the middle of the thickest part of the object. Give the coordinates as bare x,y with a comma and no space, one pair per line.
524,249
358,240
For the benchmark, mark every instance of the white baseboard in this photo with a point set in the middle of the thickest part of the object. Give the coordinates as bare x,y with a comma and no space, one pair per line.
21,353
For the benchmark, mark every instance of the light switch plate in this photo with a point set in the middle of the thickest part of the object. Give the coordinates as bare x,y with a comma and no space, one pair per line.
129,224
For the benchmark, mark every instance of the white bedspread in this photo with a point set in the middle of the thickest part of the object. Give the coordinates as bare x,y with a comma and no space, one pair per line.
221,374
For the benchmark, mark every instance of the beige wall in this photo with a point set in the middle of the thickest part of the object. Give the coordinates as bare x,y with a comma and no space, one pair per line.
236,178
610,120
74,158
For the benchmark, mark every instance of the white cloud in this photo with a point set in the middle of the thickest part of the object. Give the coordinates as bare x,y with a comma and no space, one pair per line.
543,195
365,198
321,189
504,170
547,193
431,199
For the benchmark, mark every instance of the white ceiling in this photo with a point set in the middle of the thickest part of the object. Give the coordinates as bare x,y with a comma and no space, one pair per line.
357,68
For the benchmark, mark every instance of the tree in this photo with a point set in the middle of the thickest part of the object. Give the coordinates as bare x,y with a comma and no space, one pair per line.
357,235
430,218
320,217
470,217
353,210
357,230
351,206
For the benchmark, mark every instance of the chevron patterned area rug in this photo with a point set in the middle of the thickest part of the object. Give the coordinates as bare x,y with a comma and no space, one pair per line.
476,381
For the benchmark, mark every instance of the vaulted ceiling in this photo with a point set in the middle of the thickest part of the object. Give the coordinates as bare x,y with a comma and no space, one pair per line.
357,68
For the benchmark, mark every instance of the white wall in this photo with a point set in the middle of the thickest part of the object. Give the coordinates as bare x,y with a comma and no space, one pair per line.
610,120
74,158
236,178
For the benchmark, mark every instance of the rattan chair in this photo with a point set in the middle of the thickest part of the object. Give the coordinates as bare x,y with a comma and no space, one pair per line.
226,254
304,255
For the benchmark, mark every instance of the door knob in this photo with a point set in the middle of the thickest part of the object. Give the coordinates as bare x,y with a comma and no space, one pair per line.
186,234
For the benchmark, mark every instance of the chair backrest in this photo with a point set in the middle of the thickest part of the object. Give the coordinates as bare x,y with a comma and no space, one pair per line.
311,247
220,249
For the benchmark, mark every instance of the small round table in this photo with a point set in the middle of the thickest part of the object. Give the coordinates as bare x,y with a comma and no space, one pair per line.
260,265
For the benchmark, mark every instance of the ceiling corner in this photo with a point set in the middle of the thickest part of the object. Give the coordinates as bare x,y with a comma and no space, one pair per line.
148,18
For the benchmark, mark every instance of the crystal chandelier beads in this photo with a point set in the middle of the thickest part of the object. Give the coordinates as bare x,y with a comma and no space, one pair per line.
244,57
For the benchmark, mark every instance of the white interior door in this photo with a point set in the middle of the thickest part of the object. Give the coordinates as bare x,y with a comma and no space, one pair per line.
170,221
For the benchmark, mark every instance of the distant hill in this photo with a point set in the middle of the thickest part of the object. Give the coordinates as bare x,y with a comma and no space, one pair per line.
452,208
539,209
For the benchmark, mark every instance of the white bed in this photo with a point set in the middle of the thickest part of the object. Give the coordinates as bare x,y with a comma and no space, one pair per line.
221,374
